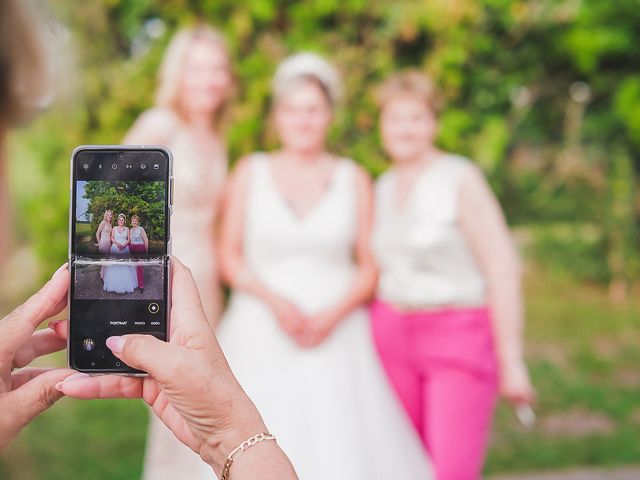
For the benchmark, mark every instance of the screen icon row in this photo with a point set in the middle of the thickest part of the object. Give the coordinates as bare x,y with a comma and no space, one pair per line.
114,166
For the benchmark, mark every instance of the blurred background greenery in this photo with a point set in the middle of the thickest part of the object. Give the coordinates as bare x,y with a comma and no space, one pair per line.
543,94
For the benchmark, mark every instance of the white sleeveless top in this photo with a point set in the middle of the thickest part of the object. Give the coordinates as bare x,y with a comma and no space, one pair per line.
136,236
424,259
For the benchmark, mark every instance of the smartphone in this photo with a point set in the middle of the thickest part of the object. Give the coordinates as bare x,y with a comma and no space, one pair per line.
119,250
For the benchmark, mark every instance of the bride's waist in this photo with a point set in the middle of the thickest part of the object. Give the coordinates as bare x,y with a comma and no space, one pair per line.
306,283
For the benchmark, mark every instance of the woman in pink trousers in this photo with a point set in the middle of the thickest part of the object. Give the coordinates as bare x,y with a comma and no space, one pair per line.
448,316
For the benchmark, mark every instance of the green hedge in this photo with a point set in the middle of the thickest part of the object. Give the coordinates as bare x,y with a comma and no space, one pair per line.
544,95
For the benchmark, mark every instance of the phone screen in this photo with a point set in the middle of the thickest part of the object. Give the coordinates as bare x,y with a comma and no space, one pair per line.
119,246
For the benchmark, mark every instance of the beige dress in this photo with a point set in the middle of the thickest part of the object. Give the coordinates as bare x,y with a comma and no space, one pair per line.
104,244
198,183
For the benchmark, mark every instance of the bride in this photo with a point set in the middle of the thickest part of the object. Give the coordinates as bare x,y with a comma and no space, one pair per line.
295,248
120,278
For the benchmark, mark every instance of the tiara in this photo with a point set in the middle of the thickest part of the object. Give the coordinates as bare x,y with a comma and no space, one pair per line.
308,63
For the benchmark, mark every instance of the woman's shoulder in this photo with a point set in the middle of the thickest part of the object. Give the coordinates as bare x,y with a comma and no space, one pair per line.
467,178
243,167
348,167
349,163
160,116
153,125
384,179
244,163
459,163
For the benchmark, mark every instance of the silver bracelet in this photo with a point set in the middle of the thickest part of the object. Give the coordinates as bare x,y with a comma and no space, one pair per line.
250,442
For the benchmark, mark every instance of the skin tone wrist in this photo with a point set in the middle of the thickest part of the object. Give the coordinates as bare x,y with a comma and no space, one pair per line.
263,461
510,357
220,444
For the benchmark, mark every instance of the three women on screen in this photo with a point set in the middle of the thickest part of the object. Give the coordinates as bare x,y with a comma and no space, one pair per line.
124,242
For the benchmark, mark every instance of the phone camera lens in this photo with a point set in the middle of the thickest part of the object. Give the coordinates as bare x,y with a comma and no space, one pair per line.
114,165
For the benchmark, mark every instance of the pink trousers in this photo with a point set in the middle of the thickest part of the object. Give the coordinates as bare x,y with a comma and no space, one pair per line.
442,365
136,249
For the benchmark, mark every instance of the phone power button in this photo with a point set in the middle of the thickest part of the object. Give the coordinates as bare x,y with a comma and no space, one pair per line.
171,193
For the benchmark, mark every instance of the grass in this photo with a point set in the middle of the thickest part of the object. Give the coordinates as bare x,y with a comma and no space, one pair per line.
83,229
584,361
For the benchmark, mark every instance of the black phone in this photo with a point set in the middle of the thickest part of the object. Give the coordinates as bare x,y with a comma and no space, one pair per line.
119,250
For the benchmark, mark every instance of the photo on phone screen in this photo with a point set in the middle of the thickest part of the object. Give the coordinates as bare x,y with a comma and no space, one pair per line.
119,250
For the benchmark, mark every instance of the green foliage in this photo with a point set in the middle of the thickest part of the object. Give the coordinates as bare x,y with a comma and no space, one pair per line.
145,199
507,69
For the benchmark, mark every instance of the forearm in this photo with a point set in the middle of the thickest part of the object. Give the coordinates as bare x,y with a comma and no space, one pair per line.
361,290
505,301
240,277
263,460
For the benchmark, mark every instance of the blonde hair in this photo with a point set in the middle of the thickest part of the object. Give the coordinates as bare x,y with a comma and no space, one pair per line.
136,217
307,67
24,79
123,216
168,91
104,217
411,83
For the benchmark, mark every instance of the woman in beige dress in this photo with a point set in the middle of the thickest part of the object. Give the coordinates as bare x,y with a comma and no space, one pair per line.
195,84
103,234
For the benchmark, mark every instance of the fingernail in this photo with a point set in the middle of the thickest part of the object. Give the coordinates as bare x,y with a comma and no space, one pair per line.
62,268
116,344
71,378
52,325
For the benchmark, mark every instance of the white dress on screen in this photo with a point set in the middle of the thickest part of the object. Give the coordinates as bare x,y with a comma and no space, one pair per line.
120,278
330,407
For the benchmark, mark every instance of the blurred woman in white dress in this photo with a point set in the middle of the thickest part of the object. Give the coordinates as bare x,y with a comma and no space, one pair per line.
295,248
120,278
195,86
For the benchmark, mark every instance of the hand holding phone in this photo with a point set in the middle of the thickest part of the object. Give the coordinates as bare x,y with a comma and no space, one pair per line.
121,285
190,385
26,391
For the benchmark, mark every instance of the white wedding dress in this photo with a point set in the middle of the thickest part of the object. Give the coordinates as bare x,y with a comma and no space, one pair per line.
330,407
120,278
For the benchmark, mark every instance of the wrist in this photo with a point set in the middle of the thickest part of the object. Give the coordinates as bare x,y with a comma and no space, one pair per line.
216,447
510,358
512,366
